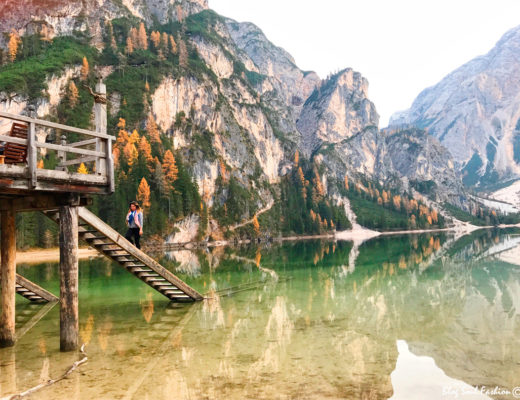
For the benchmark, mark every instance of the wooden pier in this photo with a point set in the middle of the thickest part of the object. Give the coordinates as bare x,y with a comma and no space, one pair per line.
32,180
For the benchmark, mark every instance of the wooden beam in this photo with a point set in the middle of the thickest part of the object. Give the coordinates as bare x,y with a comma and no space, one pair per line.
54,125
69,318
43,201
8,274
70,149
78,161
10,139
83,143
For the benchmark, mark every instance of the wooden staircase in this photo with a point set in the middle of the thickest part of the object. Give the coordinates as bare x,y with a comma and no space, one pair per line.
111,244
31,291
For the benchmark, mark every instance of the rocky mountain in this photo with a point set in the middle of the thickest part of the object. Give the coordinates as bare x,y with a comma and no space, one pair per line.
236,108
475,113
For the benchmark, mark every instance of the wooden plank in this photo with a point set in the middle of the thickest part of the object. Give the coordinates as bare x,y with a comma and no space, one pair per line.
8,276
33,287
70,149
69,320
96,223
83,143
54,125
77,161
10,139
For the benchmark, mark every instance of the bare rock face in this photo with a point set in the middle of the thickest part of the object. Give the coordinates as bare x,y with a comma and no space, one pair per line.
475,113
337,109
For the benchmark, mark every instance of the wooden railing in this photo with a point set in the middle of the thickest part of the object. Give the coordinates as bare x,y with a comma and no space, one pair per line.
93,149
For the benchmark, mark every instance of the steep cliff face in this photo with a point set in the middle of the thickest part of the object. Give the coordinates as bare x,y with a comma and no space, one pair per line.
337,110
238,110
475,113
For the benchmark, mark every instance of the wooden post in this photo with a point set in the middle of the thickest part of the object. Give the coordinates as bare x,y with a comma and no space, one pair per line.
100,116
69,321
62,155
8,273
31,149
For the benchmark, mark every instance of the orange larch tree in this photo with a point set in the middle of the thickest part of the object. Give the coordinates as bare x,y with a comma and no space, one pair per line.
170,170
85,69
143,194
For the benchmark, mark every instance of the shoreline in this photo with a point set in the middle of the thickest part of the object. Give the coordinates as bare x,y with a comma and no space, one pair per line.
36,256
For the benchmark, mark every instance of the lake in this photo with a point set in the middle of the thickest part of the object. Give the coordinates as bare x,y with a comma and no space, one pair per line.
405,317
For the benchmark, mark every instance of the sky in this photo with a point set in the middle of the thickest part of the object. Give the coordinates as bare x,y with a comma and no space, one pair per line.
400,46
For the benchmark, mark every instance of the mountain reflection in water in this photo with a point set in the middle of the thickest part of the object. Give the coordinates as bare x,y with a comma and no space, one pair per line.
389,317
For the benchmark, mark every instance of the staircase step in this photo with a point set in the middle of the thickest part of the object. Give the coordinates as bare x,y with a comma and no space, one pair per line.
130,265
136,270
142,275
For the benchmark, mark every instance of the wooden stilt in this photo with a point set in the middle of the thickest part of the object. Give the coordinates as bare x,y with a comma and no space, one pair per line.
8,274
69,323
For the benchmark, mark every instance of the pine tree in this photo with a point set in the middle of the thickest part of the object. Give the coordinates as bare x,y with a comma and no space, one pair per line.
169,168
145,150
82,169
155,37
134,137
85,69
12,46
129,45
130,153
143,38
152,129
134,37
73,94
143,194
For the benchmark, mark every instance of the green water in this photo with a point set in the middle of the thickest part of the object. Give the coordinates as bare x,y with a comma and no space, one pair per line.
396,316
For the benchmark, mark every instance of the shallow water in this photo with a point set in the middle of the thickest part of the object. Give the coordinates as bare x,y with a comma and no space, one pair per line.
408,317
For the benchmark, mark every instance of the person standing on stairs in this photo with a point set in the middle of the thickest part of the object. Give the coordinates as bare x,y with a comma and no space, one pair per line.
134,221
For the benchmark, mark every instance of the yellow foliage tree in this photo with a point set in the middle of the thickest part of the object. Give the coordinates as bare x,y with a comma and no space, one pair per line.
223,170
170,169
143,194
146,150
152,129
143,38
134,137
116,154
73,94
85,69
130,153
301,176
346,182
12,46
40,164
155,37
129,45
82,169
146,86
296,157
397,202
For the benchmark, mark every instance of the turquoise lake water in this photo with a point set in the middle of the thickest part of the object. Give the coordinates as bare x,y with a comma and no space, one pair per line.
405,317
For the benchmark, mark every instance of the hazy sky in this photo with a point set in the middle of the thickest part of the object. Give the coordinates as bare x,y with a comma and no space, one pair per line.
400,46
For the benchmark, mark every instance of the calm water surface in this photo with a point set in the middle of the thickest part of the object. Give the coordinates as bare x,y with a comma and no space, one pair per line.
404,317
